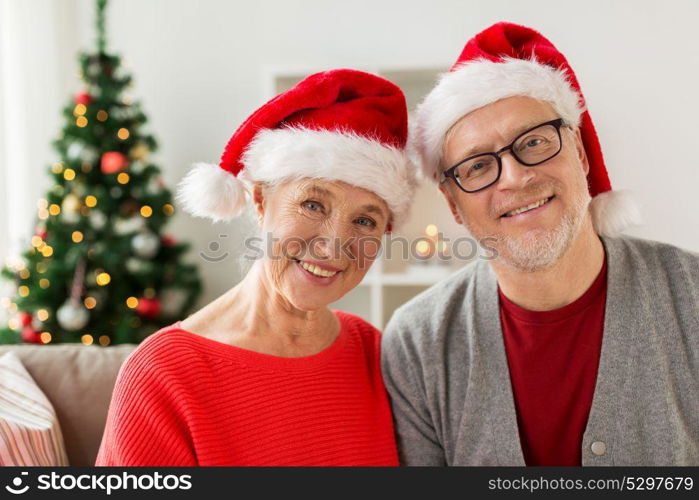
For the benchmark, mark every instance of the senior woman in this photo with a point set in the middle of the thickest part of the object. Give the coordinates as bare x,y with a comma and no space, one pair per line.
267,374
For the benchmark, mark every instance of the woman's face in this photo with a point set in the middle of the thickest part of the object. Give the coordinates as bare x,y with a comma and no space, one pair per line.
321,238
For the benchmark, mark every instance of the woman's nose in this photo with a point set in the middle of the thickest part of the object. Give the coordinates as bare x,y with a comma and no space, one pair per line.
331,241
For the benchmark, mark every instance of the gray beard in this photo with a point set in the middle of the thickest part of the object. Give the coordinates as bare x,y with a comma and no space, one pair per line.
537,250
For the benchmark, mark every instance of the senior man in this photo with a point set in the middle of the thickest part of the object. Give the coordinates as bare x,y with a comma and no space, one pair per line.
573,346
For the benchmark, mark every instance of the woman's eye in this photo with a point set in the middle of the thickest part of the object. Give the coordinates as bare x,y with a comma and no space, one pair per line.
366,221
313,206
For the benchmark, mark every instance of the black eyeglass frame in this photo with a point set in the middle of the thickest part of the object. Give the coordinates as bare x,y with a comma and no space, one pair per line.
449,173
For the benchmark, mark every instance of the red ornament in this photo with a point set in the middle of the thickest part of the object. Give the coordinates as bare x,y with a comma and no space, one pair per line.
113,162
41,233
168,241
83,98
30,335
25,318
148,308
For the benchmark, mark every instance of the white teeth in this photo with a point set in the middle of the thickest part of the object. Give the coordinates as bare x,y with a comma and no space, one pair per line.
527,208
317,270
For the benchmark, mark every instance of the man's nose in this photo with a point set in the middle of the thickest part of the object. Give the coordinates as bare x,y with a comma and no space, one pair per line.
514,175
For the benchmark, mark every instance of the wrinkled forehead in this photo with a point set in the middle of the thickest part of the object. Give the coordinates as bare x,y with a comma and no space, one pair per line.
494,125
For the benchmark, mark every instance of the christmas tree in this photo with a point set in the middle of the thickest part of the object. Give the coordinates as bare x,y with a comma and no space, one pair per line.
99,269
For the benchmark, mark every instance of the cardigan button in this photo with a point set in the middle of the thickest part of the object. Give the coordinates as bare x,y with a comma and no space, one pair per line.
599,448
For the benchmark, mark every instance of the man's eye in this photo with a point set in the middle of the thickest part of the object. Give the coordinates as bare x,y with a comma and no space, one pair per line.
313,205
533,142
365,221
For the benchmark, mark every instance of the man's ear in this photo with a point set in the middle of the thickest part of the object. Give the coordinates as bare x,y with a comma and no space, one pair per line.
258,199
452,205
580,150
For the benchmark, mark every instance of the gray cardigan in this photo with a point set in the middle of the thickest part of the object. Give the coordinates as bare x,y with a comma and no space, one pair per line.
445,367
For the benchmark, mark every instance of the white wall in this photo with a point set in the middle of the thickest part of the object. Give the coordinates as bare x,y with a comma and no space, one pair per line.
199,69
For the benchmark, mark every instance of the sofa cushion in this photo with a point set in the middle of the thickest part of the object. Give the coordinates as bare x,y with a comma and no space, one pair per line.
78,380
30,434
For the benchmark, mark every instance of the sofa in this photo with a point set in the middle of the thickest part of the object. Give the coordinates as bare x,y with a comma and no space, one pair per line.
78,380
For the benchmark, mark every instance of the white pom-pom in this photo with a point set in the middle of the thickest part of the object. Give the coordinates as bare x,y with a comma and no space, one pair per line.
210,191
614,211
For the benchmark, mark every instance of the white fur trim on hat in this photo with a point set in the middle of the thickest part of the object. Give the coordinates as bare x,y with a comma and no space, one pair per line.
614,211
296,152
210,191
477,83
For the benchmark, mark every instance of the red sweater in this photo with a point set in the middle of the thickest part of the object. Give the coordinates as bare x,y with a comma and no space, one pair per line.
182,399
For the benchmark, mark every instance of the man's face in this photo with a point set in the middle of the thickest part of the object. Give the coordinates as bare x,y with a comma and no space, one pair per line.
535,238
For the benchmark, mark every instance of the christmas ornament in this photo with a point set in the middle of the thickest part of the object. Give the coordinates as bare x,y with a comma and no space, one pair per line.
70,209
145,244
72,316
79,151
30,335
130,225
126,112
83,98
25,318
148,308
41,232
137,166
75,150
113,162
135,266
97,219
168,241
116,192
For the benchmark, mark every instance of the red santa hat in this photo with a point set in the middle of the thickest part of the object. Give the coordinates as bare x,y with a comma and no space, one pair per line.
507,60
342,125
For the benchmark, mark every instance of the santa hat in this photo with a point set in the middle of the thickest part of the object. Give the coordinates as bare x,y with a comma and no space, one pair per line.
509,60
340,125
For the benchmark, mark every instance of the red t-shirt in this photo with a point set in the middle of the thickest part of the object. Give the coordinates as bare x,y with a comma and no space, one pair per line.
182,400
553,358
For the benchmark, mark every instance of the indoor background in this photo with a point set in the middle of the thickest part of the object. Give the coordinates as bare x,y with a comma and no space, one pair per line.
201,67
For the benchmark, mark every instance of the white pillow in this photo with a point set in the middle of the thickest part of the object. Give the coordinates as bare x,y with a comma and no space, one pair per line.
30,434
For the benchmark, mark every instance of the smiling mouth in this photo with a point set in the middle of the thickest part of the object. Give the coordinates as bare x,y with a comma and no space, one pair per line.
315,270
529,207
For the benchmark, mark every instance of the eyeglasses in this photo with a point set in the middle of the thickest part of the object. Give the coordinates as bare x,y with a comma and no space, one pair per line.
532,147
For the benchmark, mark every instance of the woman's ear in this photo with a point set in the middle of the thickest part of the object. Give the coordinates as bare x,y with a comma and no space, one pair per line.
258,199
